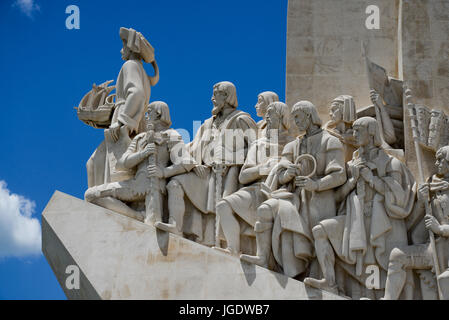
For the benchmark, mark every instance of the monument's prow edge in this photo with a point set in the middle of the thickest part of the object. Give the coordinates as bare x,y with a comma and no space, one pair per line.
59,257
122,258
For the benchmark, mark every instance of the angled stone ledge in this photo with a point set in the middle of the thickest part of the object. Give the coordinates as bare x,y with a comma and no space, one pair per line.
121,258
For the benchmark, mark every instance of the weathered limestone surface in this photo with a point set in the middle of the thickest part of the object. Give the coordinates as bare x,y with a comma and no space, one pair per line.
122,258
324,56
425,62
324,41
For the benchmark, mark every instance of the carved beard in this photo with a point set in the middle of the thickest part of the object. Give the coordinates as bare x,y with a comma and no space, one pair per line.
217,110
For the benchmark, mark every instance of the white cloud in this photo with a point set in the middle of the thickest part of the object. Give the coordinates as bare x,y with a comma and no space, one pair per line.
28,7
20,233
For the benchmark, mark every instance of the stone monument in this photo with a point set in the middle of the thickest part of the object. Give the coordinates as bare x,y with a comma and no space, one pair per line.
340,193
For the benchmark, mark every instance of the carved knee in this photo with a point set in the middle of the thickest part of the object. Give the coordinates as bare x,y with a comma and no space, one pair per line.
264,217
264,213
318,232
174,188
222,207
91,194
397,259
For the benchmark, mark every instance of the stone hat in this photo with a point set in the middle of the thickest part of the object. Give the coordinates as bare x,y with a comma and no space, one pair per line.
349,112
136,42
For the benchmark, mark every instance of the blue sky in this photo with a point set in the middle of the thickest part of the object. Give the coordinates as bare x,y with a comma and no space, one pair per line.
46,69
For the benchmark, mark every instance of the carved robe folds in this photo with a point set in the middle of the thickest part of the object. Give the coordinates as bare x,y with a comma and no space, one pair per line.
371,221
245,201
213,143
295,214
169,153
133,93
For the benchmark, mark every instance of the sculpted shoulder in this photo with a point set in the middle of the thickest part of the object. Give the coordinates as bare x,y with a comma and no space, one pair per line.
246,118
290,147
173,134
395,164
331,141
131,64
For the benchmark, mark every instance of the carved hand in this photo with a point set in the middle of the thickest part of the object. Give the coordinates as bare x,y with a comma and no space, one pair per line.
355,172
374,96
306,183
432,224
115,131
291,171
267,166
149,149
423,193
155,171
367,175
200,171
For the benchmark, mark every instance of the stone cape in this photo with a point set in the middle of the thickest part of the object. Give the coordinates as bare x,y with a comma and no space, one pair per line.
122,258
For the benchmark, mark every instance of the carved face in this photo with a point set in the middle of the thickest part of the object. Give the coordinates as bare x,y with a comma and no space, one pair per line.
261,106
335,112
153,115
219,101
302,120
442,164
361,135
421,113
125,51
273,119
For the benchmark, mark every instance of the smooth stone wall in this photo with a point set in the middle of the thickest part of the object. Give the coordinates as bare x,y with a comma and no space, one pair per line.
324,57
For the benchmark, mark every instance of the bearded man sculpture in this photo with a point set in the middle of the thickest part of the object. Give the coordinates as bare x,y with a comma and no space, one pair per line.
219,158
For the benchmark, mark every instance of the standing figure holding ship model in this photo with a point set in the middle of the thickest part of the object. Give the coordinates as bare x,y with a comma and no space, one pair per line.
133,89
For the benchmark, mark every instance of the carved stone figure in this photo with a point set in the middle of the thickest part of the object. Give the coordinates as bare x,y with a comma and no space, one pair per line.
213,148
376,198
263,100
444,138
384,121
343,114
284,222
419,256
423,117
133,89
128,196
237,211
435,128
